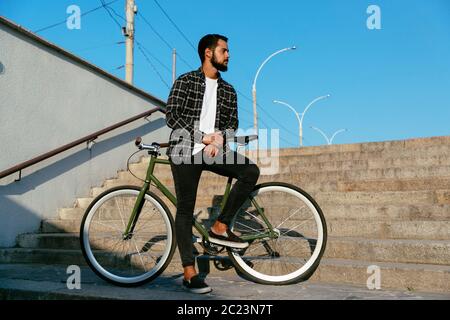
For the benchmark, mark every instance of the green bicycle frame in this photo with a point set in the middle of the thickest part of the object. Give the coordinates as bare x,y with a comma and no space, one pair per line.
150,177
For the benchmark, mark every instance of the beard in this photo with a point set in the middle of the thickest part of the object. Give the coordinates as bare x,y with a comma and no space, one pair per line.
219,66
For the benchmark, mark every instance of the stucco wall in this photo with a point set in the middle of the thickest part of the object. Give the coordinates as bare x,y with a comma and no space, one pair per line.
47,100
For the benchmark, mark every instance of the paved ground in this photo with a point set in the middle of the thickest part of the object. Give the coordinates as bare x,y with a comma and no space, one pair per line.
50,282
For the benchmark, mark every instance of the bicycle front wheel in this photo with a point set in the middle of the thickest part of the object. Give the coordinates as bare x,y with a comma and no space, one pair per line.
137,258
286,231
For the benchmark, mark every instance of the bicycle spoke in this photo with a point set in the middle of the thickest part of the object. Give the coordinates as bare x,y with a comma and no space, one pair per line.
281,258
120,213
250,228
255,217
296,226
140,256
287,219
108,226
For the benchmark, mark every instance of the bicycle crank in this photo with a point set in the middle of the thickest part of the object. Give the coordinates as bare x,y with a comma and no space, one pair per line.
211,248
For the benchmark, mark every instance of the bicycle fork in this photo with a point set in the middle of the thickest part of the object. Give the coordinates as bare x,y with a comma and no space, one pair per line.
128,234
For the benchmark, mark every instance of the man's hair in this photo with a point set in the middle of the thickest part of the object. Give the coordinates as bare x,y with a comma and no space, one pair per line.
209,41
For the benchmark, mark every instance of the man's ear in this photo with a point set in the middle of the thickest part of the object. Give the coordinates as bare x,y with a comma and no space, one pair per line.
208,53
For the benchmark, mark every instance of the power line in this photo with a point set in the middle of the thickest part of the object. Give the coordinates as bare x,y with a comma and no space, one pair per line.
109,13
100,46
154,57
273,119
65,20
117,68
175,25
268,114
154,30
140,47
153,66
115,12
162,38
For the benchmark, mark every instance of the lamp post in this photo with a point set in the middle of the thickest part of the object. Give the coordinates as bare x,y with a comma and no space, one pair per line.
304,112
296,114
329,141
255,115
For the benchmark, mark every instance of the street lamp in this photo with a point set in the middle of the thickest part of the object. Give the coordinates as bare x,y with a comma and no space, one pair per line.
329,141
296,114
304,112
255,116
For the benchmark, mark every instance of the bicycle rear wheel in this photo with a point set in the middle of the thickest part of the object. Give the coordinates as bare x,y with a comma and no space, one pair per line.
286,242
127,261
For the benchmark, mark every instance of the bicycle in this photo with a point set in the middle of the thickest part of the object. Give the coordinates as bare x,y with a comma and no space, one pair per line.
127,233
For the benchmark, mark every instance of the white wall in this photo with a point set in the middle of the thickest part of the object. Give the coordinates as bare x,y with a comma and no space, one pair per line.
47,100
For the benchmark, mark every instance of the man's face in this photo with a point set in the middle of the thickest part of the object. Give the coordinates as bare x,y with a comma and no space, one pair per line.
220,56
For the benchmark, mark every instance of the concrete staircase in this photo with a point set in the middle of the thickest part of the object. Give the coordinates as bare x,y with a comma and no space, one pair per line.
386,204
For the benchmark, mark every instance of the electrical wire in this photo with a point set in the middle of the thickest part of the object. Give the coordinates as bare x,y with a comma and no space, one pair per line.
175,25
153,66
154,57
141,16
109,13
99,46
65,20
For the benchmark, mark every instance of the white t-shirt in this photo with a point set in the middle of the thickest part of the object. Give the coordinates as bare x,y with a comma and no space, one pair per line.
208,114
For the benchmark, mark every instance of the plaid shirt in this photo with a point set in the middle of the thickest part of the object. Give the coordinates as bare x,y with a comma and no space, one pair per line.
185,105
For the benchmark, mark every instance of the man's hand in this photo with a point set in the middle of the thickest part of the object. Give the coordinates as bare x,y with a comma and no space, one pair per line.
215,138
211,150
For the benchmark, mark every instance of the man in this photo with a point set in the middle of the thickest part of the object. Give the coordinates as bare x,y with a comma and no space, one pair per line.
202,111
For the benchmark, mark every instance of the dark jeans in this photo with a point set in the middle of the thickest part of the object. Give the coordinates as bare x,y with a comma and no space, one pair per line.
186,178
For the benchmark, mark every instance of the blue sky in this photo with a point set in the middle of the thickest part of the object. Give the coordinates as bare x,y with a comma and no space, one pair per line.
386,84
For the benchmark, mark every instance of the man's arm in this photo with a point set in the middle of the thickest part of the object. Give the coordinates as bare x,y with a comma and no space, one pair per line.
233,121
174,109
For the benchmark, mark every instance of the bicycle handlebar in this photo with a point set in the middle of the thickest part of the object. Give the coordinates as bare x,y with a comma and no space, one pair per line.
155,146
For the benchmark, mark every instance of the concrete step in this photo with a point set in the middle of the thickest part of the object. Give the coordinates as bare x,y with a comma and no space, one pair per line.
45,256
318,173
420,205
60,226
392,156
434,146
342,226
44,282
402,276
83,203
397,145
397,251
206,193
407,178
388,250
383,198
311,165
71,213
370,174
371,163
387,212
60,256
426,230
413,184
405,276
67,241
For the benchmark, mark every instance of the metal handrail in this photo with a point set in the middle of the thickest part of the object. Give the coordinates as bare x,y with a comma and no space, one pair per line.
19,167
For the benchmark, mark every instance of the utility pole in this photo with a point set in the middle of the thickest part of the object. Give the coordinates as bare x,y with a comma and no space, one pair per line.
174,65
130,10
